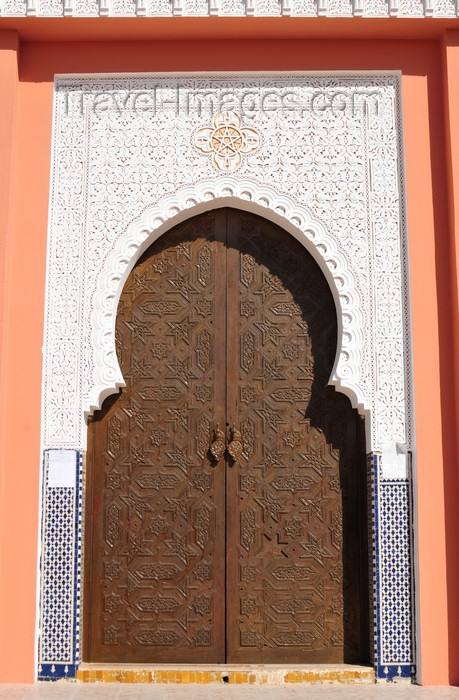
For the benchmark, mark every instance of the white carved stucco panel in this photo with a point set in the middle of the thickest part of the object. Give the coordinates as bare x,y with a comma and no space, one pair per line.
411,8
231,7
50,8
304,7
375,8
444,8
125,168
13,7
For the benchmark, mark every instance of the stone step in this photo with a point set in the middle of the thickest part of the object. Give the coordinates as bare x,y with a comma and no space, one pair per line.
253,674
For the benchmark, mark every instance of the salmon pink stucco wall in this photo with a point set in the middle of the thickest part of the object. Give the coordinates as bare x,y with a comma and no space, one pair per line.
430,74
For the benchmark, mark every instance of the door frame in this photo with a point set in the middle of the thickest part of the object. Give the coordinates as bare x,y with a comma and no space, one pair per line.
86,359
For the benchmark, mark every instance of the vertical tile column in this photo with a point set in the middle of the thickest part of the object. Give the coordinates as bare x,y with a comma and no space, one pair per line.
60,563
391,573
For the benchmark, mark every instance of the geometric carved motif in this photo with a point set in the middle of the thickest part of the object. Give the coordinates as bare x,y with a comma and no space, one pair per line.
226,141
158,540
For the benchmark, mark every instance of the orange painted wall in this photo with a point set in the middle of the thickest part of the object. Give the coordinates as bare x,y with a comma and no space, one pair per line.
431,183
451,120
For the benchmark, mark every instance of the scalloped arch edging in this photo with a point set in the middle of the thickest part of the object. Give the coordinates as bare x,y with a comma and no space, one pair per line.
246,195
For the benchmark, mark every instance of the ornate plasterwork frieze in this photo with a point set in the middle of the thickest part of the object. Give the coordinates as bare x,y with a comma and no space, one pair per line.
273,8
126,168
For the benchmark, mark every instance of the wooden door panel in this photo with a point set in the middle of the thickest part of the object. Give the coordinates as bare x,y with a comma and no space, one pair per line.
285,509
226,321
157,560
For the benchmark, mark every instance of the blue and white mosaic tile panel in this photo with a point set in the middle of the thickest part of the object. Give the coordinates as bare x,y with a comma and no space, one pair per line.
391,574
61,550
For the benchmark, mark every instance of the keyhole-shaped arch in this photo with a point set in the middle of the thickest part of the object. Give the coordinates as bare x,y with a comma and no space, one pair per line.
346,376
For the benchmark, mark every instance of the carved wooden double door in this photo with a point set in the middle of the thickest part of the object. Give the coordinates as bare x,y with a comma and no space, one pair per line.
226,335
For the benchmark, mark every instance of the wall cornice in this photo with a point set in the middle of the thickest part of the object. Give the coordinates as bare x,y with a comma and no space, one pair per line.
231,8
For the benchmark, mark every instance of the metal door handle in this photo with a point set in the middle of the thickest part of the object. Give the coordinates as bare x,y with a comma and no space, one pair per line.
217,446
236,447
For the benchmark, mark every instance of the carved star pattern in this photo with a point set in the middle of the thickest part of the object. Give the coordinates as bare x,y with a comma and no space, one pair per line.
202,571
338,638
180,369
182,284
337,604
226,140
112,569
181,329
159,436
183,249
159,350
271,506
248,394
137,416
270,460
178,506
138,368
204,307
139,330
306,372
135,503
334,483
336,574
111,634
314,461
247,482
270,371
162,264
248,573
178,548
135,547
137,457
114,479
269,416
315,550
291,350
292,438
112,603
179,458
312,506
270,331
270,285
157,525
293,527
140,283
179,416
202,481
201,604
203,393
248,308
248,605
